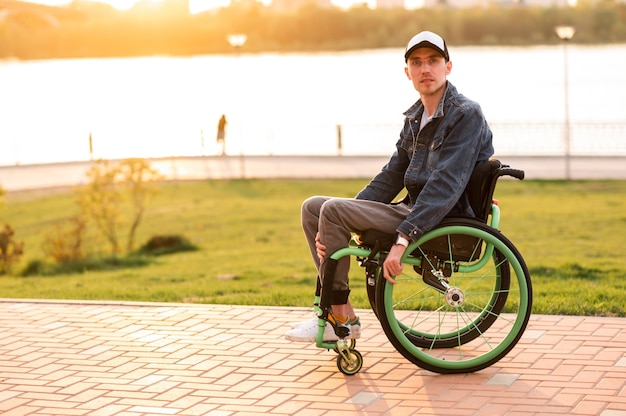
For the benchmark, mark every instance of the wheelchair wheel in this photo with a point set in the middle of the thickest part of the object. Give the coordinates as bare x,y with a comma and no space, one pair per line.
463,301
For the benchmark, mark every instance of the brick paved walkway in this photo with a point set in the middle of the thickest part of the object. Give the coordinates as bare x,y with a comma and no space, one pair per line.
92,358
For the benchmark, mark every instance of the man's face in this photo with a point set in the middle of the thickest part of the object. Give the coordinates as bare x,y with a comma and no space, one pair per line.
427,69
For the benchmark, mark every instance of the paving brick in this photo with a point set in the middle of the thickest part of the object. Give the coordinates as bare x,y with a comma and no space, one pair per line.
97,358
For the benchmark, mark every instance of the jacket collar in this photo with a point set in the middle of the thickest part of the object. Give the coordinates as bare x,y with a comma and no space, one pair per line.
417,109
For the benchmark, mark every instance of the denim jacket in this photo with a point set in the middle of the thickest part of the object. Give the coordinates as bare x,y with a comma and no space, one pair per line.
434,166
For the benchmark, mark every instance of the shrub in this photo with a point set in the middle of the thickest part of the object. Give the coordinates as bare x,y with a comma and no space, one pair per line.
166,244
34,268
66,243
117,193
89,264
10,250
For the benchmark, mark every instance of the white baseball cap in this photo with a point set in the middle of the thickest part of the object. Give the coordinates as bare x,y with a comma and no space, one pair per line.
427,39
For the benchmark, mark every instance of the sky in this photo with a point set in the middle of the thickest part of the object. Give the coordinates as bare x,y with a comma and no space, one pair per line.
195,6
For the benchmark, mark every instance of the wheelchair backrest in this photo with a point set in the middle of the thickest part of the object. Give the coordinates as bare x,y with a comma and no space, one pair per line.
482,184
481,187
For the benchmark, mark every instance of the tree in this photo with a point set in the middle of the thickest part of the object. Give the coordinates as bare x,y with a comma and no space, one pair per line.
137,176
100,201
114,193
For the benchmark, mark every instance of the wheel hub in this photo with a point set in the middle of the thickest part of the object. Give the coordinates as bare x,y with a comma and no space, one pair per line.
455,297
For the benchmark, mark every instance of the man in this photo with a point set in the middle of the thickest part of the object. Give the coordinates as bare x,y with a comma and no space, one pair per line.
444,136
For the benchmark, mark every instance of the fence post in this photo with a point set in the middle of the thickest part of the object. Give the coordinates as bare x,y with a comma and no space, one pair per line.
339,141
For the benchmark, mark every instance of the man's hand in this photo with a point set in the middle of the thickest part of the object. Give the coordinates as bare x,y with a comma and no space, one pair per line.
320,248
392,266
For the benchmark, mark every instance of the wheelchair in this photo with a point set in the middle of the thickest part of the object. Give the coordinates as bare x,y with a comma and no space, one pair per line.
463,300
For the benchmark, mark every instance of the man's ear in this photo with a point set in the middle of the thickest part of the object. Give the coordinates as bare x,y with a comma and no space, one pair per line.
406,71
448,67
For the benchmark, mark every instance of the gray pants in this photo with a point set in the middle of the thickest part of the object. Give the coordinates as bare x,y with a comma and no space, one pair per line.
337,218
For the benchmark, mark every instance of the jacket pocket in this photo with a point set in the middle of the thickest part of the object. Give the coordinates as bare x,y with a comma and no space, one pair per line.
406,142
434,149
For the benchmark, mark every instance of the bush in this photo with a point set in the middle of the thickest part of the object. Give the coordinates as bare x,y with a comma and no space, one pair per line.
65,244
34,268
166,244
10,250
40,268
117,193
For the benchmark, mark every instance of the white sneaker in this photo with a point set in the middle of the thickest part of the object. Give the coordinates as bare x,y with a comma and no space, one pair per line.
307,332
312,321
356,324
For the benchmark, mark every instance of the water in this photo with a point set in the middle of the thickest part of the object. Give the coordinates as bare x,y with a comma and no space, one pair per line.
292,103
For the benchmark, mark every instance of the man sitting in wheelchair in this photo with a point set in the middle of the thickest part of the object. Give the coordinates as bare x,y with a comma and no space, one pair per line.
445,135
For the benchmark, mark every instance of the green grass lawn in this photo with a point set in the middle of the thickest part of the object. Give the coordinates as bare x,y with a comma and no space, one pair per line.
252,250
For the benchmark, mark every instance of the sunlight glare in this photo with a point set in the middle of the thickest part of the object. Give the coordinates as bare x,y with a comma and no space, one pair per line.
121,4
199,6
52,2
118,4
413,4
346,4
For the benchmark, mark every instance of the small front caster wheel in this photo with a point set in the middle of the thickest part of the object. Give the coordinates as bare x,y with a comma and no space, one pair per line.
351,363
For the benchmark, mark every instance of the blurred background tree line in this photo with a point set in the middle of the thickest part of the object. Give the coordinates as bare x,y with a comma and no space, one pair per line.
95,30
